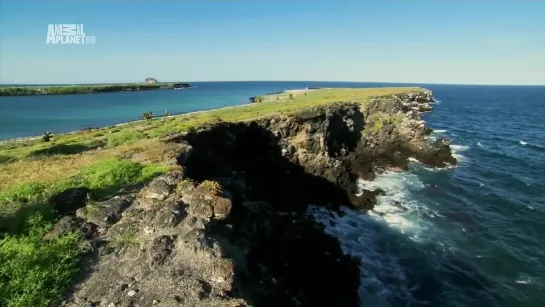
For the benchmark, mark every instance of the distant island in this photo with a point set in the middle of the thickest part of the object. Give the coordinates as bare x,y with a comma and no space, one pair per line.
149,84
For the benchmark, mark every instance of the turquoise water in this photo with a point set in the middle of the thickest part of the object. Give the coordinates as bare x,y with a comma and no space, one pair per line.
32,115
469,236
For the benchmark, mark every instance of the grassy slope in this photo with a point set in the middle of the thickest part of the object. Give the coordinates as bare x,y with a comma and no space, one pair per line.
104,160
34,160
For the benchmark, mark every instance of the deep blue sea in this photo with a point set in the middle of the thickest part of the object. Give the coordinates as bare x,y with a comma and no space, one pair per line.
469,236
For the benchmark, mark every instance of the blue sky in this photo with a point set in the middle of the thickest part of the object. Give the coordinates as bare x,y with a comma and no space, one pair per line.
464,42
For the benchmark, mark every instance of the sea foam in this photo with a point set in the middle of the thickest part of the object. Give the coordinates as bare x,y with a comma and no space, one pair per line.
364,235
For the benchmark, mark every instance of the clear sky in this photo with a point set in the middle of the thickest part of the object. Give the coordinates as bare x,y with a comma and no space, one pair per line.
465,42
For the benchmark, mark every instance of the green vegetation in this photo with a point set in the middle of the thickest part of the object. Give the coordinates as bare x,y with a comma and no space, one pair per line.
125,137
212,187
123,240
257,99
148,115
35,272
83,89
378,120
46,137
104,177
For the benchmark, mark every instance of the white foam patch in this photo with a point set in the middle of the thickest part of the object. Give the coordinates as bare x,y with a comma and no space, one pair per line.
479,144
397,208
456,149
366,235
459,147
525,279
411,159
523,143
439,131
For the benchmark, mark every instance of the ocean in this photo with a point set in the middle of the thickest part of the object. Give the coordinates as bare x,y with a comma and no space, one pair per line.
469,236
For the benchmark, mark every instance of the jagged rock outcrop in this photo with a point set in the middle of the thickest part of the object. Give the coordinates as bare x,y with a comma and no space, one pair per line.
231,227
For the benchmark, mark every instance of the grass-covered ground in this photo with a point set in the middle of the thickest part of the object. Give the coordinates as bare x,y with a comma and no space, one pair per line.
35,272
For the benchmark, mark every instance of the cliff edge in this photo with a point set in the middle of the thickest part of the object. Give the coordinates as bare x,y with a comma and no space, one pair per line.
227,224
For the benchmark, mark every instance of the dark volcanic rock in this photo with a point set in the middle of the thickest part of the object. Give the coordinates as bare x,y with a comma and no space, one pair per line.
69,200
106,213
158,189
287,247
69,224
437,154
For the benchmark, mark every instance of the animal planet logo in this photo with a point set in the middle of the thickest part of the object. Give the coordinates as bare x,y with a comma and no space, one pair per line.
68,34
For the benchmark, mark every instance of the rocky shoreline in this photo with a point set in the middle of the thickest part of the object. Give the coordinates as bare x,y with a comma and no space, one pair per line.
230,227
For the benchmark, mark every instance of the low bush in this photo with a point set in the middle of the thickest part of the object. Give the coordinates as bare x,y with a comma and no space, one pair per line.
212,186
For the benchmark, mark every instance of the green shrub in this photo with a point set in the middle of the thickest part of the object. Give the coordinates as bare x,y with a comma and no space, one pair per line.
212,186
46,137
148,115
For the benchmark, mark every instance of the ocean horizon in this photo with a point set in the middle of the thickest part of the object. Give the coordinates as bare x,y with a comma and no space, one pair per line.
247,81
30,116
468,236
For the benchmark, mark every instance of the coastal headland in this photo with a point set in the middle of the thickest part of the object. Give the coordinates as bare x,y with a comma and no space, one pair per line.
87,88
208,208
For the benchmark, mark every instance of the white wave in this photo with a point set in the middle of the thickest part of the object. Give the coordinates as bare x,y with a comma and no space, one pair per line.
456,149
523,143
366,235
439,131
479,144
524,279
396,206
459,157
459,147
436,170
411,159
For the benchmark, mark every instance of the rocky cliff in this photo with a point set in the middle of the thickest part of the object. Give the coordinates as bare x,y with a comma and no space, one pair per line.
230,226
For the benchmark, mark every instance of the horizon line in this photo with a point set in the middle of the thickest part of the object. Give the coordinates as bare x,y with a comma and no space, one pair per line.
233,81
